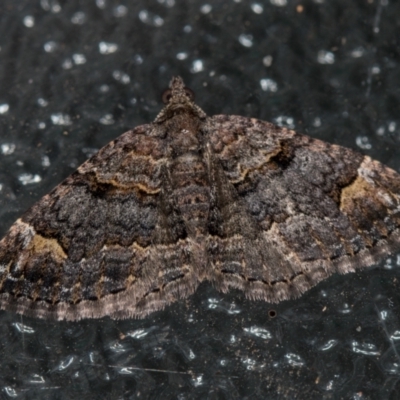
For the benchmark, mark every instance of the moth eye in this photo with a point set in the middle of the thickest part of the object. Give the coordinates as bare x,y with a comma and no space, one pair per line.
166,96
189,93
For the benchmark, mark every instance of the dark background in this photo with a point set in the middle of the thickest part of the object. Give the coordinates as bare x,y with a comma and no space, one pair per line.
76,74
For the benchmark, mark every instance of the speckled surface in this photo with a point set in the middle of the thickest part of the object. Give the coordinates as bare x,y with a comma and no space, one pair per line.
80,73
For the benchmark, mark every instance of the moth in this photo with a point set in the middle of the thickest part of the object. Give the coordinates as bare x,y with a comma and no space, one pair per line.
188,198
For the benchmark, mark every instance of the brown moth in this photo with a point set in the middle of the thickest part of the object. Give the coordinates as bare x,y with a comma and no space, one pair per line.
236,201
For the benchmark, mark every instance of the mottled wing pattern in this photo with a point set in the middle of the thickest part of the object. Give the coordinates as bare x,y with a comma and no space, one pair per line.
100,242
303,209
233,200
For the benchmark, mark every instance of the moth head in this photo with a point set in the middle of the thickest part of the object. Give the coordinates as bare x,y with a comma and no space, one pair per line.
178,99
177,92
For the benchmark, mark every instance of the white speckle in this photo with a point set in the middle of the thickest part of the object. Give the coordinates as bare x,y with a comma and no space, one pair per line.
67,63
187,29
375,70
50,46
198,381
268,85
205,9
50,5
392,126
317,122
257,8
79,59
395,335
45,161
294,360
167,3
182,56
197,66
259,332
250,363
27,179
363,142
66,363
246,40
150,19
267,61
89,152
36,379
213,303
101,4
29,21
380,131
329,345
42,102
61,119
10,391
367,349
126,371
325,57
346,309
120,11
41,125
78,18
279,3
121,77
7,148
107,119
138,334
104,88
138,59
285,121
357,52
4,108
107,48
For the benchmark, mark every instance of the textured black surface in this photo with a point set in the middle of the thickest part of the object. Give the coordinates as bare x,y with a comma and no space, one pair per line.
339,340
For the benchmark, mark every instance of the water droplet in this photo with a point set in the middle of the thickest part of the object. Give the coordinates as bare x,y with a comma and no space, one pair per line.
205,9
107,119
197,66
107,48
7,148
267,61
121,77
120,11
28,179
61,119
4,108
325,57
257,8
29,21
182,56
363,142
50,47
246,40
78,18
79,59
268,85
279,3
